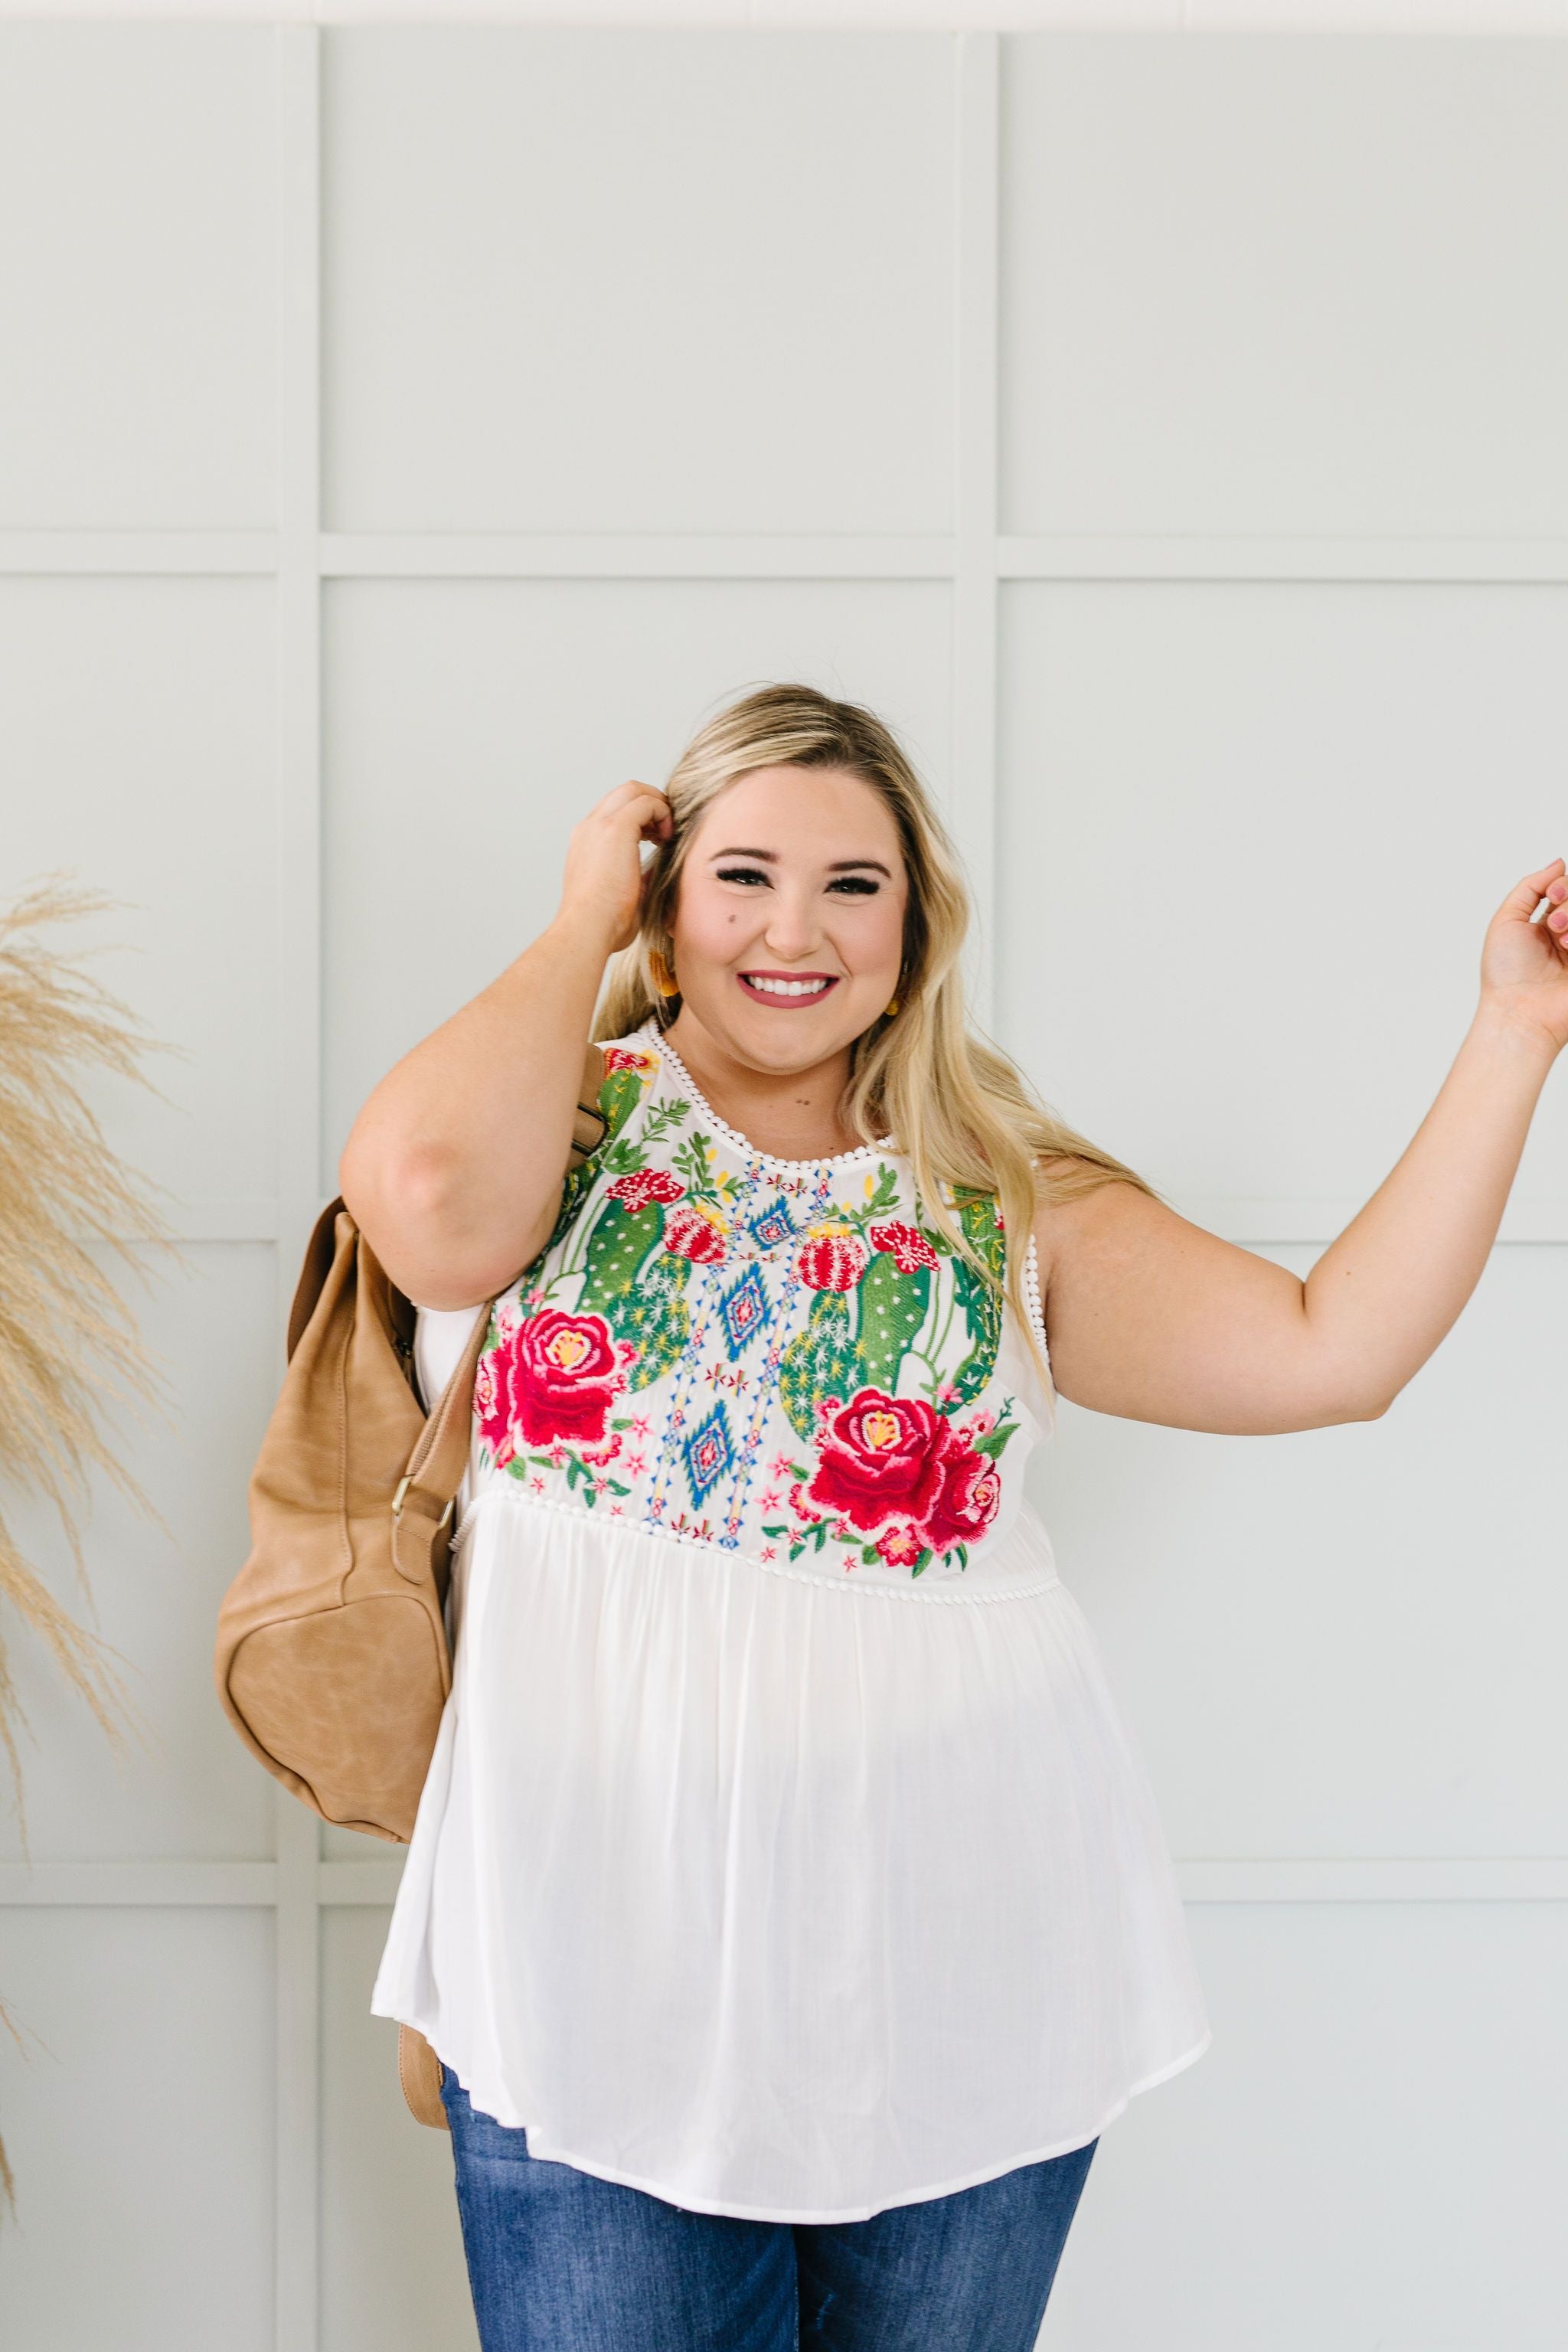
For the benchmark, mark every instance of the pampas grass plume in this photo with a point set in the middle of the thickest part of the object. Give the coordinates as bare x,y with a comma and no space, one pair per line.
69,1344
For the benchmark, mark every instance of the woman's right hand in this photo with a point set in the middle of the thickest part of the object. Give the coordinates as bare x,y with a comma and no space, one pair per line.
604,882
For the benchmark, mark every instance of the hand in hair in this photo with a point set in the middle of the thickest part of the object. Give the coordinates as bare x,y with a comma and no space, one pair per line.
605,883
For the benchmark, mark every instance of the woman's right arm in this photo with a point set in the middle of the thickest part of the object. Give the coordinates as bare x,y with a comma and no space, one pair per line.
454,1169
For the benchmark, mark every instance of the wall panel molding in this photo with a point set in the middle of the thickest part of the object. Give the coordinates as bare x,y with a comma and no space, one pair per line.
1460,19
976,552
1214,1878
976,490
298,749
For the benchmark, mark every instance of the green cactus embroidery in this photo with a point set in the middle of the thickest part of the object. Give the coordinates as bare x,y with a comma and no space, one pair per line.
654,1313
821,1361
892,1307
981,1305
620,1091
618,1244
637,1286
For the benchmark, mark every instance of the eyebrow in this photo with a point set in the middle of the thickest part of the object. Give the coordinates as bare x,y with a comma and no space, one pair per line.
769,858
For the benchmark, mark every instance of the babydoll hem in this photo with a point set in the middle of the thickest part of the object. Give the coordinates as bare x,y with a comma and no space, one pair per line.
497,1483
687,2203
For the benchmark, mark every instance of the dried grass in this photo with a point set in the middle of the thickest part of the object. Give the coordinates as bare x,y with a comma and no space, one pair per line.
68,1346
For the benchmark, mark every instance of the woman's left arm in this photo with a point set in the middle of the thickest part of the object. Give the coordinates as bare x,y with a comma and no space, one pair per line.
1151,1318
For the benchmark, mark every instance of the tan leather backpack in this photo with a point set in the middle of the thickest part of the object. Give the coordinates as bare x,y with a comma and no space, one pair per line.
331,1658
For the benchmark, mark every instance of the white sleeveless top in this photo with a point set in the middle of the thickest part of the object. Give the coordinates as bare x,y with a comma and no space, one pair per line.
784,1852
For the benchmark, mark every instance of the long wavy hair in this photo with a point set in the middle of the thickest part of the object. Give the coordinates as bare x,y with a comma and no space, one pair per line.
924,1078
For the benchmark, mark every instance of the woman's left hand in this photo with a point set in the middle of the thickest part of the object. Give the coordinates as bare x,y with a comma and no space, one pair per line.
1524,965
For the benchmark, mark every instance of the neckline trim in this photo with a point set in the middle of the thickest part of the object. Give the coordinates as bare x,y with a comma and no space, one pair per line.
888,1148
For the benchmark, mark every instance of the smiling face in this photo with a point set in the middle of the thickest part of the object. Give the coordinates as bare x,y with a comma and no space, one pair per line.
788,930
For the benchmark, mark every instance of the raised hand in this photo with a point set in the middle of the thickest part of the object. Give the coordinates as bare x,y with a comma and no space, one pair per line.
604,883
1524,964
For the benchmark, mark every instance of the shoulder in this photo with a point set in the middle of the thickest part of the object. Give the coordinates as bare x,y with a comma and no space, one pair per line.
1083,1214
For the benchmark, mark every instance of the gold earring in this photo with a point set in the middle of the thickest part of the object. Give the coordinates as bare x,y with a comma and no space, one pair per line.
890,1008
664,979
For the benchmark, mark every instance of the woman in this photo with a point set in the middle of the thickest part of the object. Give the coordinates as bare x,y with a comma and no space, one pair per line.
787,1902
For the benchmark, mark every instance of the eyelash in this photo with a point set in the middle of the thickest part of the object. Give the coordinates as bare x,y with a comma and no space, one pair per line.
860,884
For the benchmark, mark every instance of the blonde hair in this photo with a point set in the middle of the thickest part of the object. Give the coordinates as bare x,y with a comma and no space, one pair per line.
954,1103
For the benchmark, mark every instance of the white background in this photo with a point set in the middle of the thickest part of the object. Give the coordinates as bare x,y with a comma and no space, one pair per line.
407,432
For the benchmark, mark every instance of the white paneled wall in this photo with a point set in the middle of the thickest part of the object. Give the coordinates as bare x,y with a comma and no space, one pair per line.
141,2123
1284,286
739,319
1298,804
141,290
409,432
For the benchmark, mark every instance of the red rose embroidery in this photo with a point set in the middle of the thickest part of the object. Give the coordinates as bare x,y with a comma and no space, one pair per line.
909,1247
831,1260
689,1234
967,1502
553,1378
487,1412
900,1547
800,1508
643,1185
881,1457
619,1057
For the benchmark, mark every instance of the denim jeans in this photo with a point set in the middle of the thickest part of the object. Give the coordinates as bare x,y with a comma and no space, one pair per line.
560,2261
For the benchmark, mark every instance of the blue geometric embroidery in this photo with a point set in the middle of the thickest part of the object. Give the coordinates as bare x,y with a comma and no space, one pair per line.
743,1309
708,1453
772,1224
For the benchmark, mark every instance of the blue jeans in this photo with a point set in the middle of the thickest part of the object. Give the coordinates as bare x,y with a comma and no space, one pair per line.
560,2261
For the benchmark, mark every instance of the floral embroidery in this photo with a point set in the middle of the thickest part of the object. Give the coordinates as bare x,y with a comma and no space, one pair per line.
695,1231
879,1457
909,1248
739,1305
552,1376
645,1184
895,1463
830,1258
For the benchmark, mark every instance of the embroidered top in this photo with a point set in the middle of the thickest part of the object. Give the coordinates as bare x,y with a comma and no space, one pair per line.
719,1885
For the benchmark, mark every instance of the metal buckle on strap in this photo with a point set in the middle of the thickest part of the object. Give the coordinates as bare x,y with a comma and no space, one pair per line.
403,1484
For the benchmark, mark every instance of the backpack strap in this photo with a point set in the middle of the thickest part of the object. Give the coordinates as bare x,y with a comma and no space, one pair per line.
586,1150
426,1493
320,1253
